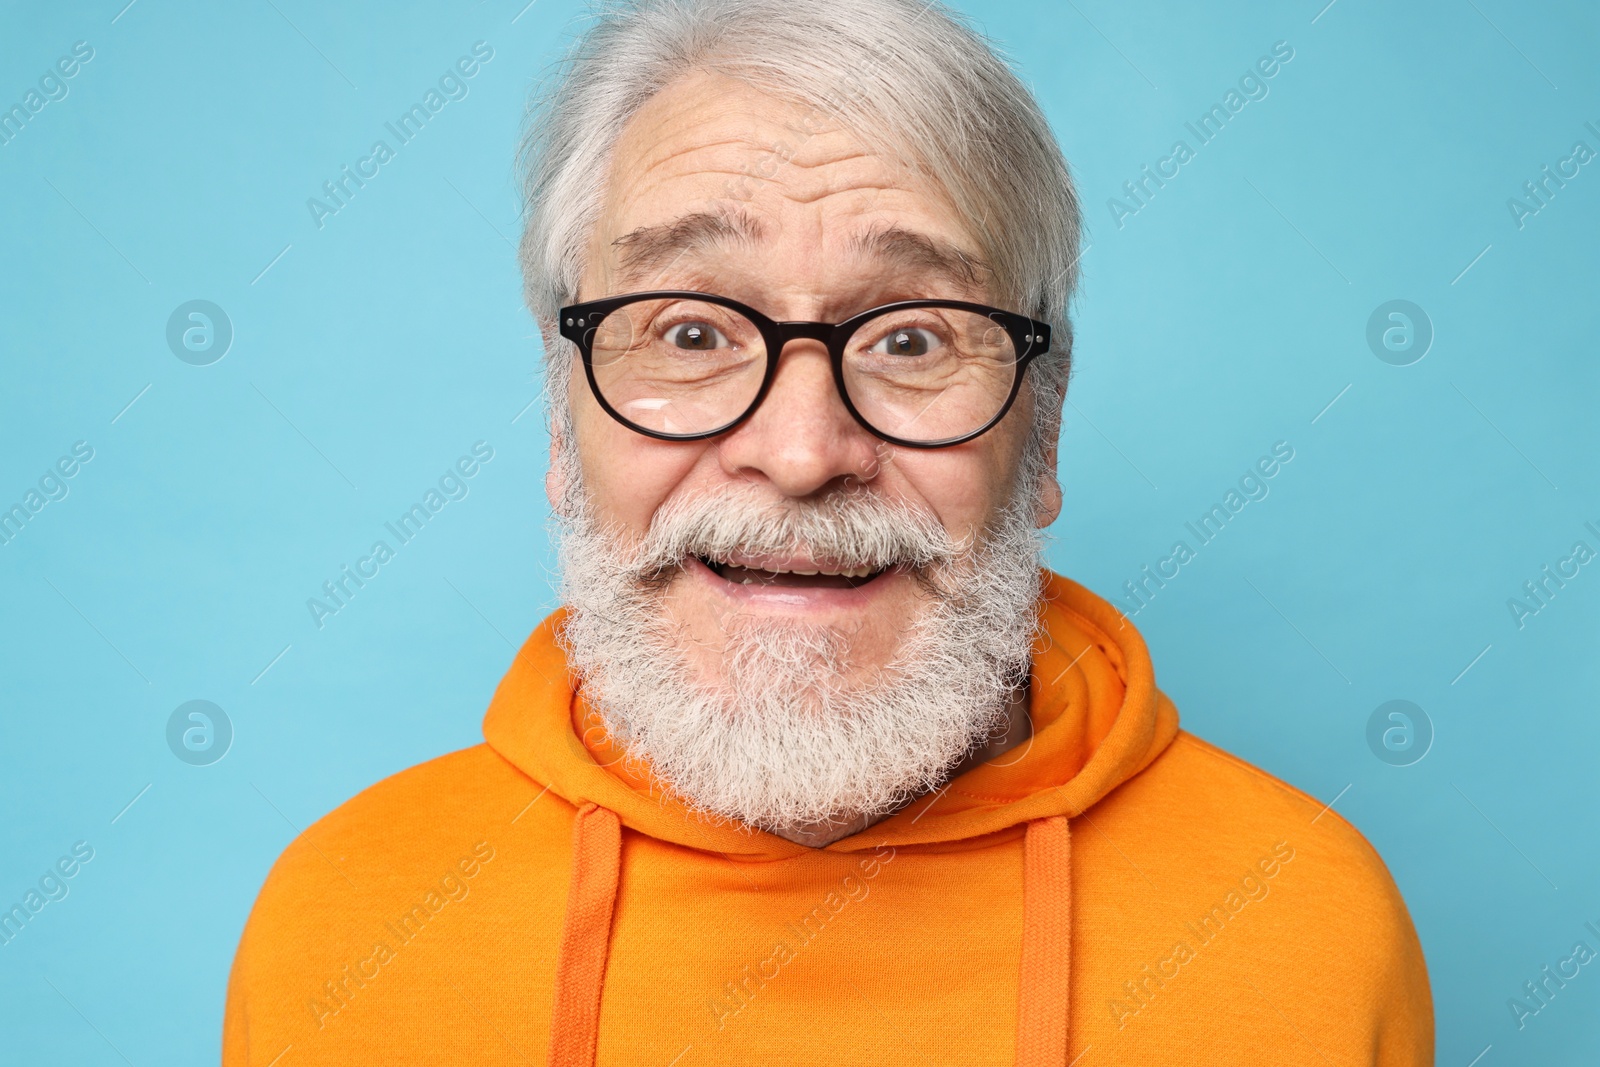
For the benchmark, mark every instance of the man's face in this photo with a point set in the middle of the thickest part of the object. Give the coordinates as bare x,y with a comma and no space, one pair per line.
814,225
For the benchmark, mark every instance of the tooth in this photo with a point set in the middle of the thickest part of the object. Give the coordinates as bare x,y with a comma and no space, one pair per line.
807,574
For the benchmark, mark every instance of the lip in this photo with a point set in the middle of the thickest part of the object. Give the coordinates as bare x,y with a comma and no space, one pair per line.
791,599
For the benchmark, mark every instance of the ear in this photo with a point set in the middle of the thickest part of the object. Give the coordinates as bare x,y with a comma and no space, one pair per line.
1049,507
1048,501
555,484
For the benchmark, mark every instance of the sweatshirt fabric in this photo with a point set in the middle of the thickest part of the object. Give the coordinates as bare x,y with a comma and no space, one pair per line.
1113,890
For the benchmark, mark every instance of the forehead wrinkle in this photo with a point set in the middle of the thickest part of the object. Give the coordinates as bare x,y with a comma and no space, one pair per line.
665,153
818,158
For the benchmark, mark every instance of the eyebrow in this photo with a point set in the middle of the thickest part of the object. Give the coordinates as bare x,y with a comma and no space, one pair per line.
649,250
927,256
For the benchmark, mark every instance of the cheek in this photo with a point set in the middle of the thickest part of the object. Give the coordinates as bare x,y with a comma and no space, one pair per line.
627,475
980,477
965,486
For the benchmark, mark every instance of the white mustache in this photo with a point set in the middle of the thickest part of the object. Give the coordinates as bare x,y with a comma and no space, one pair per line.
853,528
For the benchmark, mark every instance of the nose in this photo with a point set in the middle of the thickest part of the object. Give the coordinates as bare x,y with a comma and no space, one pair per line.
802,440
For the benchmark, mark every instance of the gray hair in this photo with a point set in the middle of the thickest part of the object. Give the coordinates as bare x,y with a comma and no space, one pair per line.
908,74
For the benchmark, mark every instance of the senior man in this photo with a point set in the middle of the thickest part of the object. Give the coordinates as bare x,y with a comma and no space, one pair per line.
816,764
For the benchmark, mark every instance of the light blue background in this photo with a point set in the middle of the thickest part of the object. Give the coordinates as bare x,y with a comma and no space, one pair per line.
1221,318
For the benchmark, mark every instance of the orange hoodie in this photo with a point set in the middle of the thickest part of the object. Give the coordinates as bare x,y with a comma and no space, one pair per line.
1112,891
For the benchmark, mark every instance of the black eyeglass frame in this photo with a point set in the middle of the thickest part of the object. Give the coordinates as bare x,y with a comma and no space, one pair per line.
1029,337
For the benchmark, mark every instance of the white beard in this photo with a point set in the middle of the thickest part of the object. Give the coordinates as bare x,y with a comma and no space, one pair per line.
784,739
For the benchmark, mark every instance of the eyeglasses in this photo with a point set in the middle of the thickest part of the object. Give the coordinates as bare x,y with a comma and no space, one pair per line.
684,366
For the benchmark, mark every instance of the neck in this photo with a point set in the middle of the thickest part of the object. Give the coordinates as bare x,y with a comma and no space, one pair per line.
1016,728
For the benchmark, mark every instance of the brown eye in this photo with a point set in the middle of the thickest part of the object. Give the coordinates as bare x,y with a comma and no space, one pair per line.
906,342
696,337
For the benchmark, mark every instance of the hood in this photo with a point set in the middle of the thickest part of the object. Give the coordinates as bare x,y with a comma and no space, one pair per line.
1097,716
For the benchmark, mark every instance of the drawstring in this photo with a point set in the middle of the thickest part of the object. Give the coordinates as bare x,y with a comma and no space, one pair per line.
586,937
1042,987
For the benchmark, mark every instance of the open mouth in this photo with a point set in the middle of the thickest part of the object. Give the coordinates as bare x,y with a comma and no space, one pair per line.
793,575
